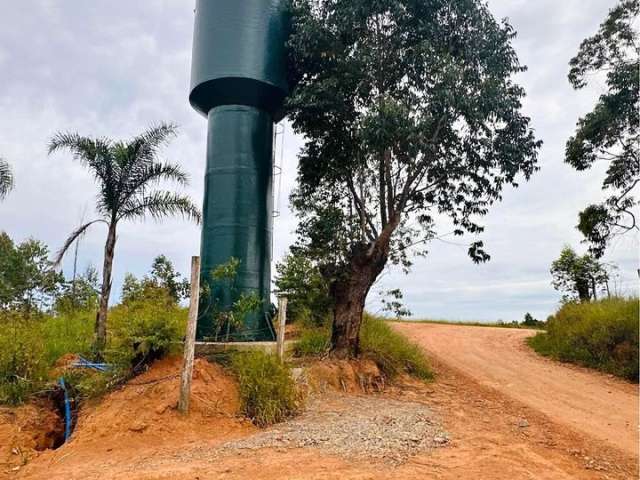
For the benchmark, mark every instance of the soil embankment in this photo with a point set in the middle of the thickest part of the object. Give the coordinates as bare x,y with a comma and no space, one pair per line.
476,420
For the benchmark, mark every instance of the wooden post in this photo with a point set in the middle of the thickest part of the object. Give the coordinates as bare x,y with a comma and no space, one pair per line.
190,339
282,321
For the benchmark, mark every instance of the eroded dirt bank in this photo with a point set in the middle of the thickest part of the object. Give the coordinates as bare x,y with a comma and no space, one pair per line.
462,428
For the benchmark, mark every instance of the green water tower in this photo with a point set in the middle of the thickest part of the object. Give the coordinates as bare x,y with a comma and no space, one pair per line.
238,81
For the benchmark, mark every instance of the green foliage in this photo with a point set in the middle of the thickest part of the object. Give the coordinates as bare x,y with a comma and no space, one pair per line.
602,335
392,351
392,303
531,322
267,392
409,110
578,277
230,306
312,342
80,295
127,173
146,329
307,291
164,274
28,281
611,131
6,179
161,278
30,346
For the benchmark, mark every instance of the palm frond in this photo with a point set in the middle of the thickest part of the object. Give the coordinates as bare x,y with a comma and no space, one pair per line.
72,238
152,174
144,147
160,204
6,179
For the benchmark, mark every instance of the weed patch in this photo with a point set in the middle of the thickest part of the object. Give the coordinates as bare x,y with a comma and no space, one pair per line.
601,335
268,393
392,351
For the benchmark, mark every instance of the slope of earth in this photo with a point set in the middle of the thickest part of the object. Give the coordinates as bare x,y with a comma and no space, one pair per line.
450,429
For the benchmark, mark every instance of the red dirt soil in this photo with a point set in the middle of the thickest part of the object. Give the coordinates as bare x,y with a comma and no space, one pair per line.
143,415
136,434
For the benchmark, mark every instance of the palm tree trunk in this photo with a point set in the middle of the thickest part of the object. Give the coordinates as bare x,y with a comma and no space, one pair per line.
101,318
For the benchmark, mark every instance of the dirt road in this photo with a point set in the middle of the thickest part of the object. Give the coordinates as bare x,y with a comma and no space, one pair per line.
597,405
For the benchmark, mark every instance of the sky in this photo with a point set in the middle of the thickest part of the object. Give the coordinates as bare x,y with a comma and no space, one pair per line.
114,67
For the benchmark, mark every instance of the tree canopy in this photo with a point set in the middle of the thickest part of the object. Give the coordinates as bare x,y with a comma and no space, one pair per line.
578,277
28,281
410,114
611,131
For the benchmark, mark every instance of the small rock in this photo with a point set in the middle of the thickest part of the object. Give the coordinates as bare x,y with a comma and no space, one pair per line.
440,439
139,427
523,423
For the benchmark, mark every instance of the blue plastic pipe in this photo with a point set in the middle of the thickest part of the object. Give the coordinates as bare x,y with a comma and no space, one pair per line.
67,410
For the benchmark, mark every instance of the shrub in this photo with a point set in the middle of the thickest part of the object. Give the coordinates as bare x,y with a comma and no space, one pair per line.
29,347
144,330
140,332
392,351
267,391
601,335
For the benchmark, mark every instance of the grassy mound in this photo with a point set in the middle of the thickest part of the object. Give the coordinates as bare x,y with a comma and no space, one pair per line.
392,352
601,335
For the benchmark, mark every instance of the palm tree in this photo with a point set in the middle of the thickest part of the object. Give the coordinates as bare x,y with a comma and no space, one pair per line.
126,173
6,179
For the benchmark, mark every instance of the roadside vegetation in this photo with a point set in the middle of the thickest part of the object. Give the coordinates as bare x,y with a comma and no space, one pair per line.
46,321
392,352
601,335
268,393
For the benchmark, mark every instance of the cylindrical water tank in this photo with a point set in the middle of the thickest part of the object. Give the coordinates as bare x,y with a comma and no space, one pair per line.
239,54
238,80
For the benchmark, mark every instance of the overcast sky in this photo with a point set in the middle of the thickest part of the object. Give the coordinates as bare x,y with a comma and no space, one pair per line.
113,67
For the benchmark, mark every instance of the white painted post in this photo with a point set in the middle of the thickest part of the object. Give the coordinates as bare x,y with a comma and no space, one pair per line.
190,339
282,321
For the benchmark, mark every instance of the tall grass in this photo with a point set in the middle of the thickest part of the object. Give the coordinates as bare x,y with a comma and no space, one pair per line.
602,335
268,393
392,351
139,332
29,348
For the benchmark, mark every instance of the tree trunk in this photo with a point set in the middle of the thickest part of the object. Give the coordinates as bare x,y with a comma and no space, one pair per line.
350,294
101,317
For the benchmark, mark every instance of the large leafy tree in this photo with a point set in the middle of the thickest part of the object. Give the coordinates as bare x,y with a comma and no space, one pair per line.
6,179
410,113
128,174
28,280
163,277
579,277
611,131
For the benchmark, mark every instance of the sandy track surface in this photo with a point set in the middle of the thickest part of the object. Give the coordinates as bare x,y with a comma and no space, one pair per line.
597,405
